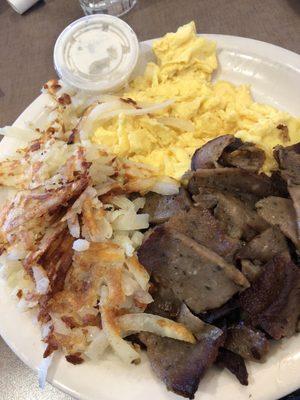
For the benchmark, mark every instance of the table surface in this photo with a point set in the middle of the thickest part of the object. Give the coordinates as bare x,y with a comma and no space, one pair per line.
26,45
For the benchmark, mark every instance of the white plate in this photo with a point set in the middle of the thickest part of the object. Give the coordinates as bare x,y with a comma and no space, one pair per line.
274,74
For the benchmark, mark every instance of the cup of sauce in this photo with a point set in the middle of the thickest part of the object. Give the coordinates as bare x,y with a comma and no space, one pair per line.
96,53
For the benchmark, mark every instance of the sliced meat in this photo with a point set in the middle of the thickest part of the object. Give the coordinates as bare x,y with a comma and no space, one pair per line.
200,225
237,218
207,198
165,303
225,311
234,363
228,151
249,343
280,212
207,156
181,365
250,270
288,159
247,156
295,195
241,221
197,275
237,181
161,208
264,246
279,183
273,300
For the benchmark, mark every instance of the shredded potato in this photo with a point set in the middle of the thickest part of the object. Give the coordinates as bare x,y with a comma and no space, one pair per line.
70,230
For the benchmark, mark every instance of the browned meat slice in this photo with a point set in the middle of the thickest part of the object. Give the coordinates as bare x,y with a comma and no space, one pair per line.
197,275
207,198
279,212
234,363
240,220
250,270
207,156
264,246
249,343
181,365
237,218
200,225
273,300
228,151
279,183
161,208
247,156
236,181
295,195
225,311
288,159
165,303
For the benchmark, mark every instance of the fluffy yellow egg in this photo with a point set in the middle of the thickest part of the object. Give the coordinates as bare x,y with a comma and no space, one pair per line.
201,110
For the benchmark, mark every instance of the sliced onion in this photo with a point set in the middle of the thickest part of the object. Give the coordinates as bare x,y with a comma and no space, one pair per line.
166,186
130,221
193,323
155,324
122,202
137,238
104,98
124,241
177,123
143,297
139,203
100,109
122,348
129,284
25,135
93,113
136,111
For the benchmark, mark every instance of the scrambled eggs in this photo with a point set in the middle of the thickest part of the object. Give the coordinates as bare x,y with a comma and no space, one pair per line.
183,72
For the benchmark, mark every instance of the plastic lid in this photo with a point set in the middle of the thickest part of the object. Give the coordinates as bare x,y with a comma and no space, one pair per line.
96,53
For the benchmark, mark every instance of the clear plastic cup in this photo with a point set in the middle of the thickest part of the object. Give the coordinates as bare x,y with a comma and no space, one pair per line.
111,7
96,53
